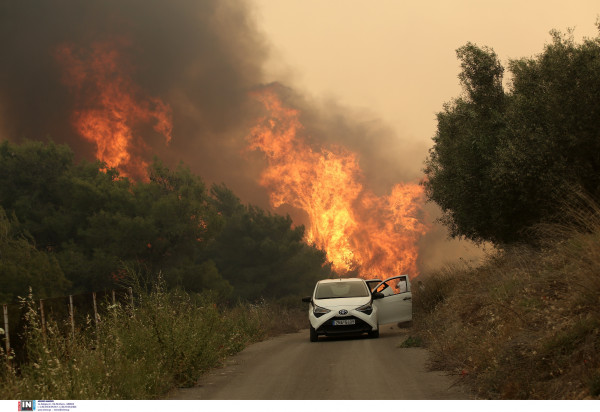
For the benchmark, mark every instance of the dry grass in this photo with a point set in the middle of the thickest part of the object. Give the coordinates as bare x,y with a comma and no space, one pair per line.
525,325
168,339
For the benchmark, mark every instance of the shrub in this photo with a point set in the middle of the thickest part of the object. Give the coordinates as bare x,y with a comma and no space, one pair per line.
168,339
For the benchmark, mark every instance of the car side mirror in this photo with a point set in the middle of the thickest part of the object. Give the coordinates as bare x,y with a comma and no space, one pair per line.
378,295
307,299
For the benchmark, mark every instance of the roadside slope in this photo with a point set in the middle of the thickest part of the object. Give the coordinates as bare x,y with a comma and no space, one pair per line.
525,325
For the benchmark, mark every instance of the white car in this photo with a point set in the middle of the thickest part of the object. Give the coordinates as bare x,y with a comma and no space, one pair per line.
350,306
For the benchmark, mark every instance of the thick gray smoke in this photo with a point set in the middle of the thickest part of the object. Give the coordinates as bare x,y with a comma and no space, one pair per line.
385,158
199,57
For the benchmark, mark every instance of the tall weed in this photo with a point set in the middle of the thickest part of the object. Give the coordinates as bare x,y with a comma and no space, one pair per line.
168,339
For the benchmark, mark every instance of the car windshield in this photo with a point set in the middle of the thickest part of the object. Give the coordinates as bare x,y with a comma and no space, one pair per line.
334,290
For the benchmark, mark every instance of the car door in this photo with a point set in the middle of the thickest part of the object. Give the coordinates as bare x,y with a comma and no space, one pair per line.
398,306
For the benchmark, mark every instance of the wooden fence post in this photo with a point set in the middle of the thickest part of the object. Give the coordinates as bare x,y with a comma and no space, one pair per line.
95,312
6,335
43,318
71,315
113,296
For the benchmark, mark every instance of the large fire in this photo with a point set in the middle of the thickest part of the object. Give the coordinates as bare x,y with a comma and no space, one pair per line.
358,230
373,235
111,108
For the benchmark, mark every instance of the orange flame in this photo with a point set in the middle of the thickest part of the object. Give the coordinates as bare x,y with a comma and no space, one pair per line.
113,107
358,230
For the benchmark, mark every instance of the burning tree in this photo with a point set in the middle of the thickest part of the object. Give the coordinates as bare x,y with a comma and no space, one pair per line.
111,108
360,231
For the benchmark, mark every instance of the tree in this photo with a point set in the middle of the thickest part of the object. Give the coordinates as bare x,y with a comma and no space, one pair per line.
90,223
23,266
260,254
458,166
552,143
503,162
183,220
32,179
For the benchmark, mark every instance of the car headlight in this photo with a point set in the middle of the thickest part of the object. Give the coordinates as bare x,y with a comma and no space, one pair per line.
366,309
319,311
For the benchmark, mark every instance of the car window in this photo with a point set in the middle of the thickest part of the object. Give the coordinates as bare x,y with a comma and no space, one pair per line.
371,283
341,290
402,286
394,285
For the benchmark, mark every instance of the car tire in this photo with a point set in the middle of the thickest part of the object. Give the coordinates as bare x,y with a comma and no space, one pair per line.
313,334
374,334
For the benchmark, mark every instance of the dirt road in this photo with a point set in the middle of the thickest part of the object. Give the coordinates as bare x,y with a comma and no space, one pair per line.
291,367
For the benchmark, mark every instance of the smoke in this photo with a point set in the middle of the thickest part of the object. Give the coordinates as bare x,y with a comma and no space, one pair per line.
200,57
385,158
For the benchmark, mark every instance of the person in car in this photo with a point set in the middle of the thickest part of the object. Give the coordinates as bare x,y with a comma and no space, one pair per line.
387,290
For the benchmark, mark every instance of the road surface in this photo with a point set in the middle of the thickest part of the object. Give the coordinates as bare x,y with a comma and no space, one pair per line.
292,367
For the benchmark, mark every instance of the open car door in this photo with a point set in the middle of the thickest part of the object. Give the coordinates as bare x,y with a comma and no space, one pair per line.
396,307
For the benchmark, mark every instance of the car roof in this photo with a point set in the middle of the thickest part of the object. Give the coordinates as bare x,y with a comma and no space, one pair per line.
340,280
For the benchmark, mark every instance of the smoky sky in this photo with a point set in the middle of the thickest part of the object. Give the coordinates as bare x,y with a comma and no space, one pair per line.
202,58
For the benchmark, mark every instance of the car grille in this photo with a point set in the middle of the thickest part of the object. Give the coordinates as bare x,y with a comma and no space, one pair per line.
360,326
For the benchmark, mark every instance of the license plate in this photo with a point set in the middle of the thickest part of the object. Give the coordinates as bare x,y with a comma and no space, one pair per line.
344,322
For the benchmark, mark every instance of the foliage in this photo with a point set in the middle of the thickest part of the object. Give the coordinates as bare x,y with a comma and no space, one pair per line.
260,254
503,161
411,342
167,340
21,264
90,223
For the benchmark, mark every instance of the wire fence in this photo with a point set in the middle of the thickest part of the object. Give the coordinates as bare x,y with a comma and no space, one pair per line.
71,314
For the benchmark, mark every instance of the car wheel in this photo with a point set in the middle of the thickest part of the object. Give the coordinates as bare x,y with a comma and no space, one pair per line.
374,333
313,334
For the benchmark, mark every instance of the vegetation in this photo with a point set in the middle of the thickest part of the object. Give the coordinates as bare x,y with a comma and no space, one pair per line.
69,228
503,161
168,339
80,224
525,325
22,264
520,168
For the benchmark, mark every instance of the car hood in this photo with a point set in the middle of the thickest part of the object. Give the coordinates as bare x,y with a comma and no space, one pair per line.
348,303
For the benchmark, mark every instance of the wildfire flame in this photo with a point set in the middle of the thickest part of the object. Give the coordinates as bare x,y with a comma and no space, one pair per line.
357,229
112,107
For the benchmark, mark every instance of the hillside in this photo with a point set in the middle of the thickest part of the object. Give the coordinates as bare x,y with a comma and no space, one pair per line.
524,325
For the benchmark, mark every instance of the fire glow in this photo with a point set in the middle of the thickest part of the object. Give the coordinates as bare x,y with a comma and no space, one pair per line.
111,107
357,229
